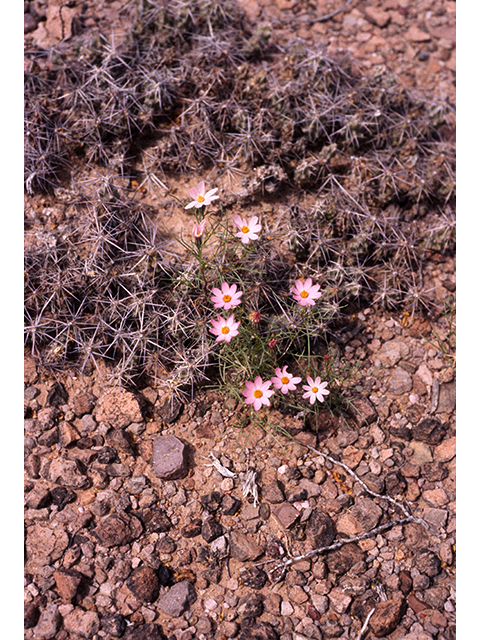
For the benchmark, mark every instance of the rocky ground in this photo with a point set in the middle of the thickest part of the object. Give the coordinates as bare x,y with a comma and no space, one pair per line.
146,519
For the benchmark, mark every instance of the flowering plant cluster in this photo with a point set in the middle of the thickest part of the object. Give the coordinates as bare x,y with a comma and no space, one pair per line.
229,298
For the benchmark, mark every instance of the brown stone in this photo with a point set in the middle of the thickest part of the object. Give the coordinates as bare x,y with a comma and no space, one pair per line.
118,408
377,16
118,529
144,583
243,547
387,616
67,581
170,458
286,514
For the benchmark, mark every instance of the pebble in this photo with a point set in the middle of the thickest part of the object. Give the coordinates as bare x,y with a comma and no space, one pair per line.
83,623
177,599
170,458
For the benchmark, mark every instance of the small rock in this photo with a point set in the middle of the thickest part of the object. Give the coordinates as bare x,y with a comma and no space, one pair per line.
417,35
253,577
427,563
67,473
67,582
49,623
119,441
339,600
387,616
113,625
400,382
343,559
250,606
430,431
30,615
38,498
286,515
44,545
367,513
61,497
421,452
381,19
446,451
321,528
57,396
155,520
170,459
435,497
67,434
211,529
258,631
219,548
286,608
118,408
32,465
118,529
148,631
30,374
447,399
144,584
177,599
362,410
83,623
392,351
170,410
192,529
83,403
395,483
230,505
273,492
243,548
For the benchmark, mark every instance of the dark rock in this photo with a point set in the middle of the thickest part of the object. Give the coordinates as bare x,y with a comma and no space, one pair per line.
46,418
155,520
118,470
118,408
428,563
61,496
250,606
166,545
144,584
149,631
118,529
430,431
57,396
212,501
170,458
113,625
434,471
253,577
321,528
415,536
264,511
362,410
119,441
30,615
48,438
211,529
170,410
165,576
30,22
293,473
402,433
230,505
406,582
374,483
177,599
243,548
258,631
395,483
214,571
192,529
387,616
343,559
67,582
106,455
331,626
447,398
273,492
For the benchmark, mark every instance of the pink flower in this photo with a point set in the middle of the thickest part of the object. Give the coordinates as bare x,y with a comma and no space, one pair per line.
258,393
315,389
200,198
198,228
284,380
224,329
227,298
304,293
247,230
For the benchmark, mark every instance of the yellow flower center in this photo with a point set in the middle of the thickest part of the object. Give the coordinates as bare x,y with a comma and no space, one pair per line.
227,298
257,393
245,229
225,330
314,389
285,380
304,294
200,199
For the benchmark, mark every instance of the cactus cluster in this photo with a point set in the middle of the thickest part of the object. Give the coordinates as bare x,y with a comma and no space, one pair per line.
359,172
